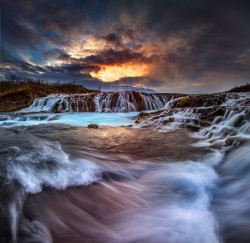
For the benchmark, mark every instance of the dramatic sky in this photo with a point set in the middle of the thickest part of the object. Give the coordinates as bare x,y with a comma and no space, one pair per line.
168,45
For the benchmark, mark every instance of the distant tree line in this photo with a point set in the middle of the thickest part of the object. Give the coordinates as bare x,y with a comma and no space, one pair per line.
12,80
241,88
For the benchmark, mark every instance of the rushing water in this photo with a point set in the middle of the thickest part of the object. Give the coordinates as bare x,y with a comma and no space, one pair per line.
62,183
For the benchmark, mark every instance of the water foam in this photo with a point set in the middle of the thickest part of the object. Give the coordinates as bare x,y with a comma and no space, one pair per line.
47,165
231,200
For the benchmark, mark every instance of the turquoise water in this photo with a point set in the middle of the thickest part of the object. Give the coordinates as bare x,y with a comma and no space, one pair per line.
73,119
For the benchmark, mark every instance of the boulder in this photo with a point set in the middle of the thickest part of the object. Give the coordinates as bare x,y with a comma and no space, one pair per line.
95,126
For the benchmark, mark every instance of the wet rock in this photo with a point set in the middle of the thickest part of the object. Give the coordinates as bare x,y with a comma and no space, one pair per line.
200,101
183,102
217,144
143,114
55,109
156,117
235,141
193,128
228,131
94,126
4,118
168,120
239,121
204,123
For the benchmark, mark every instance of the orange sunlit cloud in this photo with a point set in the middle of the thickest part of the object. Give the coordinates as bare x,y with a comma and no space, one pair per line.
111,73
88,46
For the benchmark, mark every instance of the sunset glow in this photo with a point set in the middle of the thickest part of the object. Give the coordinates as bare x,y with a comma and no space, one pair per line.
88,45
111,73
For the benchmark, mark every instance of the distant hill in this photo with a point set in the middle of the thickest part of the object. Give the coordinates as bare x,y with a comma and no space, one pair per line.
242,88
128,88
15,95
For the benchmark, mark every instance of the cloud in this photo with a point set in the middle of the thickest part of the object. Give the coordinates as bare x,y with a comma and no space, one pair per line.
113,39
244,58
111,57
183,44
72,68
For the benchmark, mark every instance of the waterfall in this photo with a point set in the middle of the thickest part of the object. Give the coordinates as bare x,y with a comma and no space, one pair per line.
99,102
217,115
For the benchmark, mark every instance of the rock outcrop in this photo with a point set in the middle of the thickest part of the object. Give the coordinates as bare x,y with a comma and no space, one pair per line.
17,97
195,111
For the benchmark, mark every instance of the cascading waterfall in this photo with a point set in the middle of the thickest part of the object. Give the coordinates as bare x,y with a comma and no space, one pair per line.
100,102
232,113
62,103
228,130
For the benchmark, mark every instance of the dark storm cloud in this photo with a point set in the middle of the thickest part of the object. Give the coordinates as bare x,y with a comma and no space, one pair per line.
72,68
196,43
223,31
18,30
12,64
64,19
113,38
51,53
64,56
110,57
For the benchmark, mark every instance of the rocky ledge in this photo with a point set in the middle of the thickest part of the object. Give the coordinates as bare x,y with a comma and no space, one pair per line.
16,96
